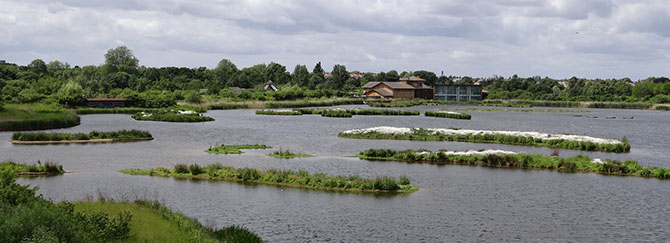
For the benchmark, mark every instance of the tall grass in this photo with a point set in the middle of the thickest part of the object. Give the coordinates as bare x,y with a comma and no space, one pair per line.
227,106
579,163
351,112
171,116
278,113
46,168
27,117
620,105
283,178
117,110
45,136
234,149
287,154
455,115
663,108
312,103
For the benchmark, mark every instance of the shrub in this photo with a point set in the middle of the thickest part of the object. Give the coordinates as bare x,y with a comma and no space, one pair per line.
181,169
196,169
236,234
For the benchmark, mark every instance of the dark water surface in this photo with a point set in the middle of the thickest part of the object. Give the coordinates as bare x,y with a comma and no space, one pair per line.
455,203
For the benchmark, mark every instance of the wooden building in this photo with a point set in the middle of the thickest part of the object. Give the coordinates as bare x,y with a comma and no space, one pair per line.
412,87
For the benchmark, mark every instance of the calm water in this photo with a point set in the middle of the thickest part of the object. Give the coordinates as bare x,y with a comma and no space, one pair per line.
455,203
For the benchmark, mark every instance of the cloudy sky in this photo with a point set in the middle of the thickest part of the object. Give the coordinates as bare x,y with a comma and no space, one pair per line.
481,38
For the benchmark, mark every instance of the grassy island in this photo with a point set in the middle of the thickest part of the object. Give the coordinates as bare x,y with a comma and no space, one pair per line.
448,114
526,110
506,159
483,136
286,154
116,110
234,149
39,169
278,113
338,112
92,137
24,117
172,116
301,179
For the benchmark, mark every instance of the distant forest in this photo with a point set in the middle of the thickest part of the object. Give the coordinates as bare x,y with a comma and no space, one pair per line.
121,76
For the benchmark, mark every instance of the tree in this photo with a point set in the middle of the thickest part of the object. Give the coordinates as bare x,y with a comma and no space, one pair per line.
430,77
277,73
71,94
225,71
318,70
392,76
38,66
120,59
300,75
340,76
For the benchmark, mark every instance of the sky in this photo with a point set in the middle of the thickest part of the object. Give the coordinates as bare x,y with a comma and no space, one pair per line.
478,38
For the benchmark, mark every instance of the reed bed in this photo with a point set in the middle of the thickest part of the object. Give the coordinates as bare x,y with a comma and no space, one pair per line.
395,103
38,169
663,108
505,159
338,112
278,112
117,110
620,105
448,114
235,149
228,106
301,179
171,116
114,136
27,117
312,103
286,154
577,142
526,110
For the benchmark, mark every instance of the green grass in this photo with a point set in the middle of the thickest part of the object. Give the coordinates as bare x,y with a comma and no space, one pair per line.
153,222
526,110
24,117
352,112
312,103
117,110
396,103
464,116
421,134
227,106
663,108
278,113
301,179
120,135
286,154
234,149
47,168
578,163
171,116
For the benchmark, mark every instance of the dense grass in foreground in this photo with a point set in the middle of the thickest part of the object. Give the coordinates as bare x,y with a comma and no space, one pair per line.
312,103
27,217
579,163
286,154
426,135
47,168
278,113
527,110
234,149
171,116
302,179
153,222
454,115
26,117
115,136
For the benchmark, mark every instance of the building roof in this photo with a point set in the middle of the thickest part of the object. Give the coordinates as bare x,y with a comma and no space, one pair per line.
383,92
399,85
413,78
370,85
106,99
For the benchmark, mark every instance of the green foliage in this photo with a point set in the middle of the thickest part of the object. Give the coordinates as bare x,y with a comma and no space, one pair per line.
36,117
313,103
116,110
285,178
236,233
227,106
448,115
234,149
281,113
120,59
45,136
350,112
48,168
171,116
195,169
286,154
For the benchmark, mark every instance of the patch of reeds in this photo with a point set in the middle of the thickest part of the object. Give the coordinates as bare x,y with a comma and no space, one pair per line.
350,112
236,234
117,110
290,178
235,149
278,113
227,106
526,110
395,103
620,105
663,108
579,163
312,103
171,116
47,168
453,115
27,117
422,134
287,154
47,136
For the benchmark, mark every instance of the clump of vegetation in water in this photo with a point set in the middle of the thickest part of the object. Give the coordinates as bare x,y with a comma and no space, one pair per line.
395,103
114,136
279,113
27,217
236,234
505,159
527,110
227,106
663,108
235,149
24,117
286,154
448,114
484,136
172,116
312,103
338,112
47,168
620,105
116,110
283,178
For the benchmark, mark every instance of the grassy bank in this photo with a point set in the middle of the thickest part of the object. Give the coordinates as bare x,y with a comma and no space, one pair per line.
396,103
301,179
278,113
286,154
448,114
117,110
663,108
312,103
171,116
227,106
338,112
39,169
526,110
574,164
24,117
234,149
482,136
153,222
118,136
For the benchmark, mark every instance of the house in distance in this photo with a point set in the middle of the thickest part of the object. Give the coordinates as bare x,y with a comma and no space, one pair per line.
411,87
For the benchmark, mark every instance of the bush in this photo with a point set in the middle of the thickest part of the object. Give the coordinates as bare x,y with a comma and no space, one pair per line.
181,169
196,169
236,234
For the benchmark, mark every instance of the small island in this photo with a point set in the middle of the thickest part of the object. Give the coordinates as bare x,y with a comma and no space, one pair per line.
39,169
508,159
448,114
286,154
172,116
278,112
339,112
92,137
234,149
300,179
